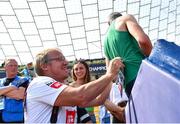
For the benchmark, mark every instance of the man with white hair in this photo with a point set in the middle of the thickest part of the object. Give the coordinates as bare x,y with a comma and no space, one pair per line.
48,89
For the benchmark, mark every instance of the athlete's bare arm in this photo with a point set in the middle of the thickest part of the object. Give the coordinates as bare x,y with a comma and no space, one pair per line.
129,23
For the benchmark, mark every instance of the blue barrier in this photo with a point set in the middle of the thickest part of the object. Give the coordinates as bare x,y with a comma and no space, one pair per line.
166,55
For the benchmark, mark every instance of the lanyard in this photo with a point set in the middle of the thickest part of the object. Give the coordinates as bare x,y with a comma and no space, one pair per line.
120,82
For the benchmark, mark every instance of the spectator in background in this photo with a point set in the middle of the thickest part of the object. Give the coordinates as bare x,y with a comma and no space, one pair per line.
48,90
28,71
116,103
127,40
81,75
83,116
104,115
12,93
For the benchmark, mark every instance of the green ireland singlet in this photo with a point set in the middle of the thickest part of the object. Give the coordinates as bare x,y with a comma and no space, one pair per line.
123,44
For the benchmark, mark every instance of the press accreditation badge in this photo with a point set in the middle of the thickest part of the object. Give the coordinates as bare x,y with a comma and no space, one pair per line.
1,102
70,116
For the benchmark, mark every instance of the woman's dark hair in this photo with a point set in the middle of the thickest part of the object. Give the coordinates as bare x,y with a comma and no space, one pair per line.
87,75
113,16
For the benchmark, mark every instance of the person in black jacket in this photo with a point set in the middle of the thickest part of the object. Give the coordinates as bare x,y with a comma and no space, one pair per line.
83,116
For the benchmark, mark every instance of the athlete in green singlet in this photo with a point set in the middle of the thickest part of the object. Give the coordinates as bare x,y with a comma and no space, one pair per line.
126,39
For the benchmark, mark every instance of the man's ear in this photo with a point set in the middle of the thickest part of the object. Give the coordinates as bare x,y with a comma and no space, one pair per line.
44,67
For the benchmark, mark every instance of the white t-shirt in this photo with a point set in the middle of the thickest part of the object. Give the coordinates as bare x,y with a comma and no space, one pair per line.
41,95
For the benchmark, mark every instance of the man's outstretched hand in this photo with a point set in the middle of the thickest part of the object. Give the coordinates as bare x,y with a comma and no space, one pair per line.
114,66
